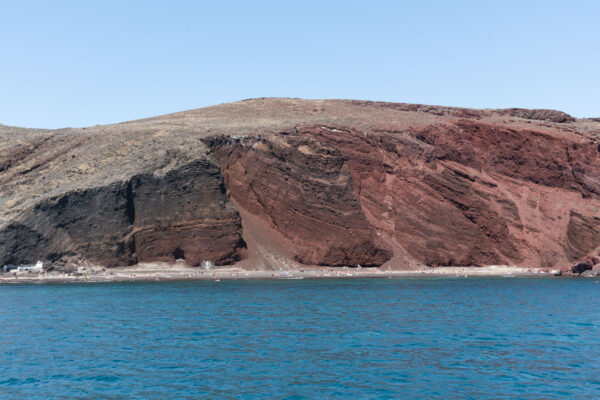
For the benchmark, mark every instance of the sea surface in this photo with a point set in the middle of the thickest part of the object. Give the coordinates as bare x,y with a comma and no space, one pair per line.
446,338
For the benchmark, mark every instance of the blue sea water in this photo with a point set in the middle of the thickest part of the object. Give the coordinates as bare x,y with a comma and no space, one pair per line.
358,338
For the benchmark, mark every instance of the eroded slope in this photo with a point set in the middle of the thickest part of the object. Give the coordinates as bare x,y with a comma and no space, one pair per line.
310,182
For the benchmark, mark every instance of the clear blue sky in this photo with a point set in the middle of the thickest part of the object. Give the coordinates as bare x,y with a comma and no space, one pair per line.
79,63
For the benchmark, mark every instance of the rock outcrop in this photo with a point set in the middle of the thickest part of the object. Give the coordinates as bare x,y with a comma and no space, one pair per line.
306,191
183,214
330,182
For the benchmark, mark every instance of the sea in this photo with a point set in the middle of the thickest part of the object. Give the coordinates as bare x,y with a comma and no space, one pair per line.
405,338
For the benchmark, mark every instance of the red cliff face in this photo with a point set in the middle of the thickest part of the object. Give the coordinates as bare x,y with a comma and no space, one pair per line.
473,194
273,181
306,192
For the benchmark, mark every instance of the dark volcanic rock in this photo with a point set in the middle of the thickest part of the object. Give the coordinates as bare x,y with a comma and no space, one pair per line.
581,267
92,222
184,213
331,182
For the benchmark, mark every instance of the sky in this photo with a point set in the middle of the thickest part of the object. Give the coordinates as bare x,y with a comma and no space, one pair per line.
83,63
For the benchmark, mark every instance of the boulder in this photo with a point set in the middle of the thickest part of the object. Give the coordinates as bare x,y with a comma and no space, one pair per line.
588,273
582,267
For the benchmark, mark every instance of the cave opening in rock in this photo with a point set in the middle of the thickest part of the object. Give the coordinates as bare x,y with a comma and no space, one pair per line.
179,254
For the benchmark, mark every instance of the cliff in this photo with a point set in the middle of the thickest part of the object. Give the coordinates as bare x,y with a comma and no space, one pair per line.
272,182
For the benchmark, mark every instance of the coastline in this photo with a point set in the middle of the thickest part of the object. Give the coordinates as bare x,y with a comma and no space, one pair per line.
182,272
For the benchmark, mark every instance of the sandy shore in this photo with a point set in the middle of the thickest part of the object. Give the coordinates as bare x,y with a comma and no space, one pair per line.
166,272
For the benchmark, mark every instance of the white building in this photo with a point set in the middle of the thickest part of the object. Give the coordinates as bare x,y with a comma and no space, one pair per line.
38,267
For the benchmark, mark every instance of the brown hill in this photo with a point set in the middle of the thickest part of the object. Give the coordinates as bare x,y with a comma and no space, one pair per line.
269,182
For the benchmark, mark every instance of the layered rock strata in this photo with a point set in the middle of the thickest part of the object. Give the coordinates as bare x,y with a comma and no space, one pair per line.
340,183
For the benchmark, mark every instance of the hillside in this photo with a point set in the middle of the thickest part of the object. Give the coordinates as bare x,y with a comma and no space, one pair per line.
273,182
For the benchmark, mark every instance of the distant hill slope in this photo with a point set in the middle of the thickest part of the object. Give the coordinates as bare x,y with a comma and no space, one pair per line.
272,182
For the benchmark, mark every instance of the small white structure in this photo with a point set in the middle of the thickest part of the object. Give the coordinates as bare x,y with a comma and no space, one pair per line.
207,264
38,267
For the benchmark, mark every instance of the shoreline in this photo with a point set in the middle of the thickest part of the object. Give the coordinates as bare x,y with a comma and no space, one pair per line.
174,272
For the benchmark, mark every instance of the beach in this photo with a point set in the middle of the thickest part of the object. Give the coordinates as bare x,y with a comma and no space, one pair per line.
180,271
